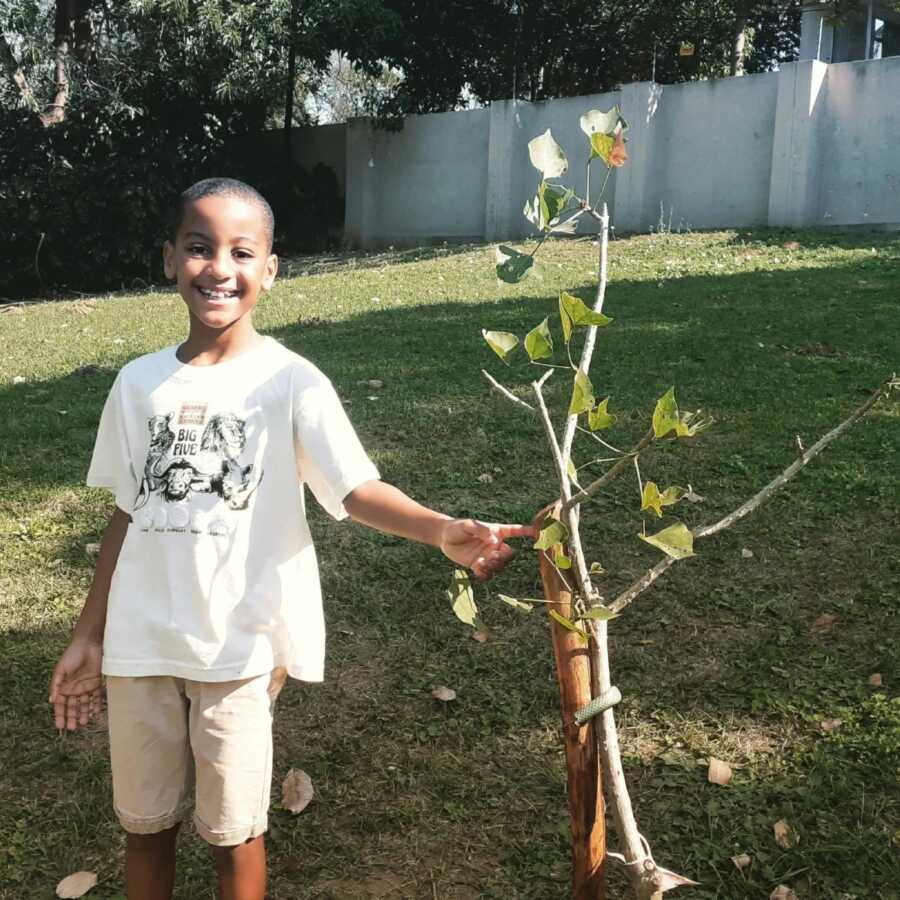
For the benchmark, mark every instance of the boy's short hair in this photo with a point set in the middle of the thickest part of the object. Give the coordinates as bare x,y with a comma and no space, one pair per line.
223,187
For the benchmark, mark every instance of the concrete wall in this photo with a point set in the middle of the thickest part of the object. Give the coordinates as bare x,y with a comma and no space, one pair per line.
811,145
858,134
710,154
326,144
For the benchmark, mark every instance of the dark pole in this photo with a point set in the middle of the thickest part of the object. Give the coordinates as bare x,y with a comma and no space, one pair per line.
291,78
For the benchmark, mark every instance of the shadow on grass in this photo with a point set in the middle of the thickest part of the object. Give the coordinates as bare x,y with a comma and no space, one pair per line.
722,658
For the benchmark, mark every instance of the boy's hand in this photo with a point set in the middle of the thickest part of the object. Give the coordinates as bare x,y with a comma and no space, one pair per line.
480,546
75,685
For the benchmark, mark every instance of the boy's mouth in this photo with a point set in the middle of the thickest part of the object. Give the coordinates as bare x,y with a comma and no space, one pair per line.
218,295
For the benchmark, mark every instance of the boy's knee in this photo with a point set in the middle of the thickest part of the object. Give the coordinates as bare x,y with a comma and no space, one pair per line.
154,839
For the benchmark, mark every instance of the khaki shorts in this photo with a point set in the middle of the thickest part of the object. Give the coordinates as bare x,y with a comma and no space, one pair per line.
169,736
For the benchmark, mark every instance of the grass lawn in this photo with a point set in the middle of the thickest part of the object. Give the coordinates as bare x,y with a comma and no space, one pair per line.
723,657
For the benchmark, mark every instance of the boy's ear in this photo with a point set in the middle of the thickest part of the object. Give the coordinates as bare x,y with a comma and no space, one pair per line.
270,272
169,259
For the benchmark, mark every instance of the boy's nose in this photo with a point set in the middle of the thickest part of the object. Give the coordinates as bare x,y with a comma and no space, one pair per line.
219,267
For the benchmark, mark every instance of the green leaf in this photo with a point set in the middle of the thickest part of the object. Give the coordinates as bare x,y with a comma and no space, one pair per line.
600,418
579,312
601,146
582,394
501,342
460,594
599,614
572,472
564,318
665,416
522,605
560,559
597,122
597,569
568,624
538,342
547,156
653,499
552,532
675,541
512,266
547,205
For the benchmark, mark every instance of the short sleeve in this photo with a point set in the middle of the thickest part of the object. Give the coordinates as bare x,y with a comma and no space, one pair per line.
111,463
331,459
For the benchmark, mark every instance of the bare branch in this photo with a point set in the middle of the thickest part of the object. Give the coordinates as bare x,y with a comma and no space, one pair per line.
587,351
799,463
505,392
16,74
612,473
585,585
639,586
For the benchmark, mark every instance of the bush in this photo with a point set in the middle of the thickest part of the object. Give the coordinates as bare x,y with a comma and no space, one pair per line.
84,204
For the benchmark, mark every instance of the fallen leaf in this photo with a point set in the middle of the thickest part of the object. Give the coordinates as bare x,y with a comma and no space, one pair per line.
791,245
19,379
692,496
830,725
785,836
719,772
824,622
373,397
782,892
746,554
443,693
875,679
83,307
296,791
481,635
742,860
12,310
92,550
76,884
486,478
344,629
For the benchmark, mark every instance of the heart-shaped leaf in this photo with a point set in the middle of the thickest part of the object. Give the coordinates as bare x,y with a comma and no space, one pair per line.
582,394
547,156
538,342
552,532
600,418
512,266
501,342
579,313
594,121
521,605
76,885
600,614
568,624
651,497
461,597
675,541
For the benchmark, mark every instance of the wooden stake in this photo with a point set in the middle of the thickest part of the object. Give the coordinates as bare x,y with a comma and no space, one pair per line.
585,792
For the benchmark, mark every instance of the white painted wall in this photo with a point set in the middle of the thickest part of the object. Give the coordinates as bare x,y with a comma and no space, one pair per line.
858,134
811,145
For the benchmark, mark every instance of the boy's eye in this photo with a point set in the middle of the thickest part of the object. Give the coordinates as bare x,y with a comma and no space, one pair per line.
243,254
196,249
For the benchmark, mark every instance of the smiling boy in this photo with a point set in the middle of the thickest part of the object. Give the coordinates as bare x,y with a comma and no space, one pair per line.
206,592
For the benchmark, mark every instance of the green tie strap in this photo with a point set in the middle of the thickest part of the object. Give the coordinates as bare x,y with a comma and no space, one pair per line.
605,701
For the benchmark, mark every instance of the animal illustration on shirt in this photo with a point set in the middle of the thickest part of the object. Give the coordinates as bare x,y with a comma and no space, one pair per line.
224,436
177,470
161,439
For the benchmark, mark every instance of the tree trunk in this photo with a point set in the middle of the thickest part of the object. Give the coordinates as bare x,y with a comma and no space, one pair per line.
573,671
739,43
291,79
16,74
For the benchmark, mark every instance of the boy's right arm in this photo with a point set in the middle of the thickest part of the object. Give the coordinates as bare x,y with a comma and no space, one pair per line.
75,684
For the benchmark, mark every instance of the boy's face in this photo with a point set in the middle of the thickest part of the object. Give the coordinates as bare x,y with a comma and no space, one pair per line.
220,260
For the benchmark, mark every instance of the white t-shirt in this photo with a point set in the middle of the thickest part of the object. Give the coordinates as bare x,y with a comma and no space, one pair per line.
217,577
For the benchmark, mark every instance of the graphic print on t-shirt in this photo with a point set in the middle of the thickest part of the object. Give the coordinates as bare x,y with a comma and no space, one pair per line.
192,458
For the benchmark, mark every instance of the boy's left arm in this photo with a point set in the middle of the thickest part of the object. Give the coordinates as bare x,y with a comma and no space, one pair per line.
478,546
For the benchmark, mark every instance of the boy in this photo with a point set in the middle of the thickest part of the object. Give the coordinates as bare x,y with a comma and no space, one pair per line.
206,592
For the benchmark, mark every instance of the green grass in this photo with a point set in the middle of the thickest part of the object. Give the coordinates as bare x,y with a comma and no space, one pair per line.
721,657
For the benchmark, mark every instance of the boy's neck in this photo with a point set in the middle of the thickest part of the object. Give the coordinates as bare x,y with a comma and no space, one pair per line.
206,347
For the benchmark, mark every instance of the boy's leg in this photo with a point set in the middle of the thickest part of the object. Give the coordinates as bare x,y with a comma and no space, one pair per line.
150,865
152,776
231,738
242,870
